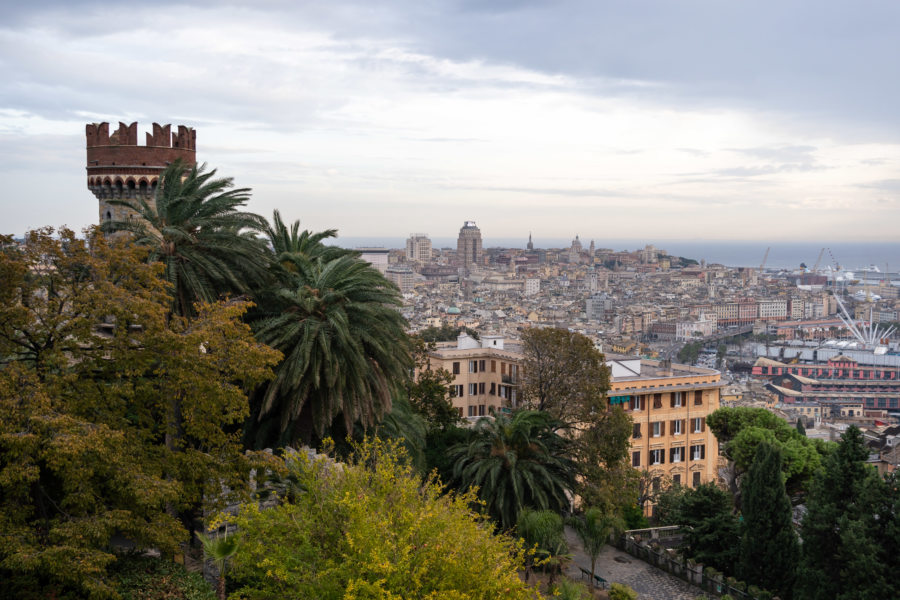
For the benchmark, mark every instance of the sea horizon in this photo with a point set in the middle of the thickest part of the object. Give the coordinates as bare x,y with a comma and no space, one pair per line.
782,255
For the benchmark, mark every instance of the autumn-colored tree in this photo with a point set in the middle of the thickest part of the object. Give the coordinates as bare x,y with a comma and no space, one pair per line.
370,528
91,357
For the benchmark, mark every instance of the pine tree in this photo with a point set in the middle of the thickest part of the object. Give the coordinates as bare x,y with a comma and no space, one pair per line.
839,528
769,549
800,428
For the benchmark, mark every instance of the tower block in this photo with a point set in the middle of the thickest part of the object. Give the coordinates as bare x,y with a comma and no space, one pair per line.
118,168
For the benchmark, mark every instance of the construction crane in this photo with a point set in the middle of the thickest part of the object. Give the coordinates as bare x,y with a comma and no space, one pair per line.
765,258
815,269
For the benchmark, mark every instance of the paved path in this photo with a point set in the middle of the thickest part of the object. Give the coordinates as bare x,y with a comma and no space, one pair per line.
618,567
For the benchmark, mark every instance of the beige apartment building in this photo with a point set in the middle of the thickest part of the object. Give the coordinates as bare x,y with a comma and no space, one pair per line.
485,372
669,404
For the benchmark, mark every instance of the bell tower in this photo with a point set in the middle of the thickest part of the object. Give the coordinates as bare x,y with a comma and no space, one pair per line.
118,168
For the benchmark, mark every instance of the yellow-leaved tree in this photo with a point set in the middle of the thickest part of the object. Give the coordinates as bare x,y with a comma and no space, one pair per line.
90,359
371,528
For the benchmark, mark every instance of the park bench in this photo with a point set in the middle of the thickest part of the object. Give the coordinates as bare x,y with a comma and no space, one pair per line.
601,583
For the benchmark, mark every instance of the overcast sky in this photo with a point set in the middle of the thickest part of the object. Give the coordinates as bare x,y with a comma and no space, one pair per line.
638,119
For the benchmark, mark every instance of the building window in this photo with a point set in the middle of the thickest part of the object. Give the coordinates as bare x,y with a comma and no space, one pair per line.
698,398
502,368
676,455
657,428
493,366
696,476
473,366
637,403
481,410
493,389
635,459
473,389
472,411
676,478
456,368
699,425
657,400
458,391
481,365
656,485
677,400
481,388
459,410
657,457
678,427
698,452
636,430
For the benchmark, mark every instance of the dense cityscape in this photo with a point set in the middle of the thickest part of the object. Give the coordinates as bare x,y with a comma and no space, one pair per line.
450,300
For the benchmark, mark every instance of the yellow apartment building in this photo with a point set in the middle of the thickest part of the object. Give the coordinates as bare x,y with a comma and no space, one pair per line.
669,404
485,372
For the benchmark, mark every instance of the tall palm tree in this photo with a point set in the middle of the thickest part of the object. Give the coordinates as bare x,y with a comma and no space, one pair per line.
345,350
194,226
516,462
593,529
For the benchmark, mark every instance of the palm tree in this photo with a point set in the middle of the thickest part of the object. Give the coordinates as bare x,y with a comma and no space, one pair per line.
219,549
516,462
593,529
345,350
194,227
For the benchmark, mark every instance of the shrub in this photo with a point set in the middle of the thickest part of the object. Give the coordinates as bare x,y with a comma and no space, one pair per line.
566,589
373,529
619,591
137,577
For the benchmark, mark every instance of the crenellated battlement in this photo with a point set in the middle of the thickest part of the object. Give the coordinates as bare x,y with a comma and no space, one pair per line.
98,135
117,167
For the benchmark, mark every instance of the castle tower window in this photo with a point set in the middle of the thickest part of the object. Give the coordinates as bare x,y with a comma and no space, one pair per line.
108,216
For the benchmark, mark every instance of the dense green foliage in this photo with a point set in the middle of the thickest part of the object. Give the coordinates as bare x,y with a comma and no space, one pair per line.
516,462
851,531
346,355
429,391
372,529
712,532
194,228
741,430
136,577
769,550
90,443
544,534
566,376
690,352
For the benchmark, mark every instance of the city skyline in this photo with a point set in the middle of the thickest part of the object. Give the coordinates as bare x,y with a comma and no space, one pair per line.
658,122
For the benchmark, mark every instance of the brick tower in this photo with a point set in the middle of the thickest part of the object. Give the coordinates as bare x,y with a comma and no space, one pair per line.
117,168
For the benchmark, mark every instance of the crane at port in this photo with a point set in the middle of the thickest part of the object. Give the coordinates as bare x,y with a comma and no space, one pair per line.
762,265
815,269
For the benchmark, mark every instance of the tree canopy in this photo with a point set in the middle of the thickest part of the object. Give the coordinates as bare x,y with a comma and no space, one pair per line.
516,462
91,357
370,528
741,430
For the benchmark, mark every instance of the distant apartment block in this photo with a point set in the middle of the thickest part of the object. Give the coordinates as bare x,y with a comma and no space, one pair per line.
402,276
377,257
669,404
418,248
532,286
485,372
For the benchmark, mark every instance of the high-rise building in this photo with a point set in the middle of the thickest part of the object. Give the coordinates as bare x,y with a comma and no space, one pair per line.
468,246
119,169
418,248
530,246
